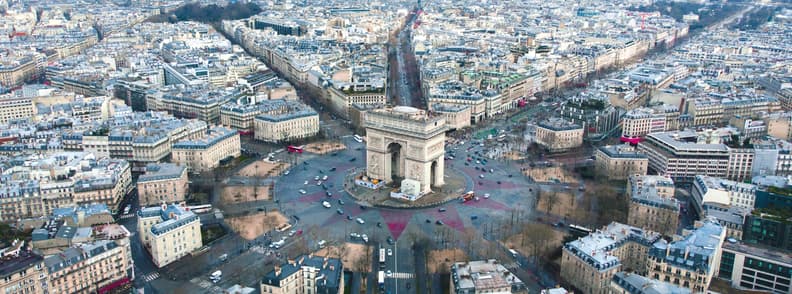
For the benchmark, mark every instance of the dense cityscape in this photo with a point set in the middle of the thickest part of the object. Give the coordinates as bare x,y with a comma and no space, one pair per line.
423,146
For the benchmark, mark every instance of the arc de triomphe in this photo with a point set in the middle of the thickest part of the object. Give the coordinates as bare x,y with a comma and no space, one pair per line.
405,143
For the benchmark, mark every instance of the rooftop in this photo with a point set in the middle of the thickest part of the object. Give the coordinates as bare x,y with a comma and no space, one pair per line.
595,248
559,124
10,265
622,151
213,136
328,276
483,275
161,171
637,284
171,217
74,255
773,254
695,250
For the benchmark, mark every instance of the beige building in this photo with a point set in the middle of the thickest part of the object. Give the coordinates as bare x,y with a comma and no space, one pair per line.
405,143
558,135
341,101
203,154
456,116
12,108
306,274
169,232
590,262
652,204
164,182
22,271
108,190
619,162
18,71
641,121
779,125
90,267
284,121
690,262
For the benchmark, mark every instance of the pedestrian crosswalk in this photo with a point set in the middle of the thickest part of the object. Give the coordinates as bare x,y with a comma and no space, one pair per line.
152,276
126,216
402,275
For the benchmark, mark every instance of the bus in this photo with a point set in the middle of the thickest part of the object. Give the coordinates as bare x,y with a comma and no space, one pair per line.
381,279
382,255
294,149
200,208
579,229
284,227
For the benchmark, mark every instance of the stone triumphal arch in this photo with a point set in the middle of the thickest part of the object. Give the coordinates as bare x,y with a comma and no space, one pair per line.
405,143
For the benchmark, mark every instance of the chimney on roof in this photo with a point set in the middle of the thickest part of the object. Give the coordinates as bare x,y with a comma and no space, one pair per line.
277,270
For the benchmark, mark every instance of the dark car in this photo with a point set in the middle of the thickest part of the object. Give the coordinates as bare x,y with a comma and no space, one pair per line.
441,209
333,169
362,207
379,225
341,202
329,194
340,211
349,217
474,217
334,154
499,182
352,159
428,221
390,241
466,163
305,162
510,176
296,217
439,222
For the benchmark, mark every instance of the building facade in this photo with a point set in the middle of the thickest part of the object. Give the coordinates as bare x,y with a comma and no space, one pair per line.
751,267
690,262
203,154
164,182
558,135
169,232
22,271
619,162
306,274
13,108
652,204
90,267
590,262
285,120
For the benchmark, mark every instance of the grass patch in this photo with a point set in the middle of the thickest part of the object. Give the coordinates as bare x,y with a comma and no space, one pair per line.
198,198
210,233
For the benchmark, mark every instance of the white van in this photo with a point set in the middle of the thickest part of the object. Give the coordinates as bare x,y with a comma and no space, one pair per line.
216,276
321,243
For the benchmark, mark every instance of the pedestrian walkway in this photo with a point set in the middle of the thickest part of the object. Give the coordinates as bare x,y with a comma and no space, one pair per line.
151,276
126,216
402,275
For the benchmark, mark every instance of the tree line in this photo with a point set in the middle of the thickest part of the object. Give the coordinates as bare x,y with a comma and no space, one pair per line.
211,13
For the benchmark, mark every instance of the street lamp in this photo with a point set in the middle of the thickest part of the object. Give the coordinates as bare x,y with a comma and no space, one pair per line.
396,262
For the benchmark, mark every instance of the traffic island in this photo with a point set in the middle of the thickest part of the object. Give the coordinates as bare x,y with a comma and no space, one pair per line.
453,189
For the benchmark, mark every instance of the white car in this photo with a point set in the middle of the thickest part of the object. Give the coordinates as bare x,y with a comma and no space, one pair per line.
286,173
306,183
302,191
390,252
389,273
354,235
316,178
360,221
481,176
319,183
486,196
364,237
326,204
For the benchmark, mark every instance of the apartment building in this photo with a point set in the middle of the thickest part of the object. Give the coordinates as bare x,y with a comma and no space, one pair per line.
712,190
284,121
169,232
690,262
163,182
13,108
341,100
457,117
205,153
558,135
631,283
593,113
641,121
755,267
590,263
94,267
652,204
769,227
22,271
619,162
40,185
483,276
16,72
684,154
305,274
